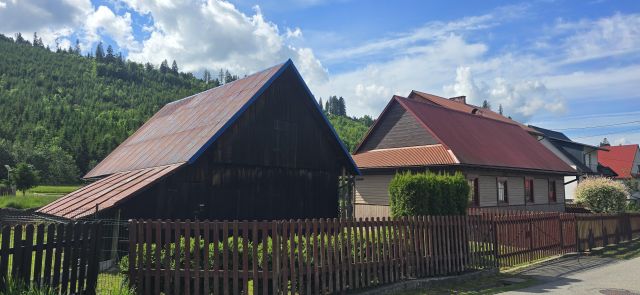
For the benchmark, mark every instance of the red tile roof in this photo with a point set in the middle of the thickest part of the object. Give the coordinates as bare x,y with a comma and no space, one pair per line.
480,141
106,192
619,158
405,157
468,108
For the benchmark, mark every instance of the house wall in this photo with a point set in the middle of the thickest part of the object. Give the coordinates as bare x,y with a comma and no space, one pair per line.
398,129
635,170
570,188
372,191
277,161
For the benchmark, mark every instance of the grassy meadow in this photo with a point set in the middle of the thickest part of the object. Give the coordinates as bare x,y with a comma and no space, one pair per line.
36,197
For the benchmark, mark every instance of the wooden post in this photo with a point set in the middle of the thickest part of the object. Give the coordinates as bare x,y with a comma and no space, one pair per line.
496,252
114,240
561,226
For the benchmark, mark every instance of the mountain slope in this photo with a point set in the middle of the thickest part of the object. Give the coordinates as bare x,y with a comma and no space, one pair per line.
63,112
62,105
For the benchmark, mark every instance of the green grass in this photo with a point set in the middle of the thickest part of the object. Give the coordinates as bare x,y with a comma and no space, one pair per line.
112,284
626,250
35,197
53,189
484,285
26,202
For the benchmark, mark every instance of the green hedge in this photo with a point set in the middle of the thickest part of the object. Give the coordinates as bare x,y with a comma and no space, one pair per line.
428,194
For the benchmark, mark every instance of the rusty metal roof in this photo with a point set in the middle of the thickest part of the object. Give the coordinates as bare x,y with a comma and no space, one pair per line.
106,192
480,141
181,130
469,108
405,157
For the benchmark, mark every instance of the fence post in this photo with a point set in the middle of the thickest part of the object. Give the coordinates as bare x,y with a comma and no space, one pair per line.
276,257
132,252
530,237
561,229
94,260
496,252
576,219
628,228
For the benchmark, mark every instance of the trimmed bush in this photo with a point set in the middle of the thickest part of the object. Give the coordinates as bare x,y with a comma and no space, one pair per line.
428,194
602,195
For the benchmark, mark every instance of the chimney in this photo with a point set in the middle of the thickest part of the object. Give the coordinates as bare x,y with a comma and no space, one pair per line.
462,99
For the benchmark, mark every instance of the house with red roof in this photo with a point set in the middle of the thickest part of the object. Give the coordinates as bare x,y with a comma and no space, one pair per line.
624,160
505,165
253,149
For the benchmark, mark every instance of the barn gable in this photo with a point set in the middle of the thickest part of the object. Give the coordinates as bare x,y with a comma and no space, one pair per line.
218,128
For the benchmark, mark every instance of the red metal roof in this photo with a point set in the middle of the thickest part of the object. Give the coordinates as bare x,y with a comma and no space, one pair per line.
106,192
405,157
179,131
619,158
482,141
468,108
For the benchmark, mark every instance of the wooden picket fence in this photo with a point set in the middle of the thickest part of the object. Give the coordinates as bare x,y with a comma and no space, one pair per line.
599,230
302,256
526,236
62,257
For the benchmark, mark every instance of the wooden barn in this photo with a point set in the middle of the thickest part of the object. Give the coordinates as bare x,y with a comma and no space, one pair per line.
255,148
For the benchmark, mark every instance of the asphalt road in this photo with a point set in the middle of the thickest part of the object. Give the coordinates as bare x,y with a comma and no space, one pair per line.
585,275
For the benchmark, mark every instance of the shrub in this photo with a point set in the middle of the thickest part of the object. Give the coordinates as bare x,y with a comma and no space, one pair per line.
602,195
428,194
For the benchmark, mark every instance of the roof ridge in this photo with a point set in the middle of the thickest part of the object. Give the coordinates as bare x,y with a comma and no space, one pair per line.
404,148
457,111
227,84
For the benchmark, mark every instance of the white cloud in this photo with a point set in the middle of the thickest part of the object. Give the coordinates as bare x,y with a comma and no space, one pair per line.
427,70
52,19
214,34
620,141
410,42
605,37
519,99
104,21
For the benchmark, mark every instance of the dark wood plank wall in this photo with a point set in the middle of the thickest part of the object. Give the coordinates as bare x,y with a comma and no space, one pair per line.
398,128
277,161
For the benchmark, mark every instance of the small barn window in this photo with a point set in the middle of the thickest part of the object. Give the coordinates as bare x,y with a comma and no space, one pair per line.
503,196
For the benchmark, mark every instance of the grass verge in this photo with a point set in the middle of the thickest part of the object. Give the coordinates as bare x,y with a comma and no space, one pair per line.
625,250
485,285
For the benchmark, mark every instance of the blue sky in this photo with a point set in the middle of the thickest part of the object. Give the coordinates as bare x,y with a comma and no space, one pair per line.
566,65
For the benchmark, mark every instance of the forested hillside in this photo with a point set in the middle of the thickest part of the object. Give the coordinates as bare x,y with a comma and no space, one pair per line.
63,112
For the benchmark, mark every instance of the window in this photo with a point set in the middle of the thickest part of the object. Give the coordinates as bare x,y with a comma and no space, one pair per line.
502,192
474,196
553,197
528,190
587,160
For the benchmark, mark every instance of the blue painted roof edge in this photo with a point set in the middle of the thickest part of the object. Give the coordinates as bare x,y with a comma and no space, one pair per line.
333,131
240,111
255,96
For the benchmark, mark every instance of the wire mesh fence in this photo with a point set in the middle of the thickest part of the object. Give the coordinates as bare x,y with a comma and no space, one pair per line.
113,245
